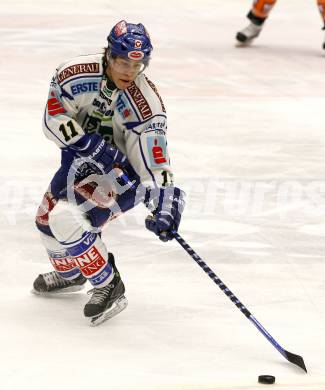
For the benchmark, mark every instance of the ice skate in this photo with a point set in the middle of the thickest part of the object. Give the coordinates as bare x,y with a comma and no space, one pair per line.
106,302
52,283
248,34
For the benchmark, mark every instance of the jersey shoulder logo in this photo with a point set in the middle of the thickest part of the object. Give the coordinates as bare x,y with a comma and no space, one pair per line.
154,88
54,106
73,70
140,101
157,150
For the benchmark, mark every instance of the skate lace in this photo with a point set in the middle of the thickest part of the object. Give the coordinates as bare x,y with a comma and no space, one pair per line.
53,279
100,294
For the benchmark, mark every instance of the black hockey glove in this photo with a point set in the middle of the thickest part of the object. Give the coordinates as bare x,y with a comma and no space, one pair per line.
167,216
101,157
97,151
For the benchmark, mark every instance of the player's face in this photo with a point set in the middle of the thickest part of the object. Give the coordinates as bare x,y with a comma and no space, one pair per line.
123,71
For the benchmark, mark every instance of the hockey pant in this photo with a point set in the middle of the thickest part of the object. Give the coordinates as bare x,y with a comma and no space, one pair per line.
71,232
321,7
261,9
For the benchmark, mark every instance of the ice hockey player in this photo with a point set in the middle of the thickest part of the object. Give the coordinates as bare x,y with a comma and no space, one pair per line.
258,14
110,124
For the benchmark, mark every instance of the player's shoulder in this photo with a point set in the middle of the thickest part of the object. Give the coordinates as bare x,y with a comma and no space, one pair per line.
80,66
145,96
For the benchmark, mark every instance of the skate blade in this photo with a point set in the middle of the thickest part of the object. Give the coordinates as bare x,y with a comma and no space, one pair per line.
118,306
246,43
58,292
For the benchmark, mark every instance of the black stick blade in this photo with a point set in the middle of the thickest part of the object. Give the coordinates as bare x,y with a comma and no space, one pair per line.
296,359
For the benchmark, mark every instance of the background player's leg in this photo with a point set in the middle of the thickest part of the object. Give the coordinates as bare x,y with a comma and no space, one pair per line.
260,10
257,16
321,7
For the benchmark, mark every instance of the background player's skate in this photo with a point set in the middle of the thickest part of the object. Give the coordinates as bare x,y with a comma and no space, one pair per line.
258,14
248,34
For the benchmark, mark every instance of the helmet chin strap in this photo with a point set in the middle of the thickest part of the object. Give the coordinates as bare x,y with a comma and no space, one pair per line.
146,64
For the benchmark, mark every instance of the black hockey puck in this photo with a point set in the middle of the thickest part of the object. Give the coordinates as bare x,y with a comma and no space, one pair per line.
266,379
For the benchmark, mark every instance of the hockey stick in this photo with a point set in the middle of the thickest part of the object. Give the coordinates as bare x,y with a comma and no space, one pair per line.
291,357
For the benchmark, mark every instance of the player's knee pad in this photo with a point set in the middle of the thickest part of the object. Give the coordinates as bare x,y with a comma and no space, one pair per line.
262,8
68,223
63,264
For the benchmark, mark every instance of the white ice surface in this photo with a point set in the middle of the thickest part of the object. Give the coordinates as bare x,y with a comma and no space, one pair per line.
246,135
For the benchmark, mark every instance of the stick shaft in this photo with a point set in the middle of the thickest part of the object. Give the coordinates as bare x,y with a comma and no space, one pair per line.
229,294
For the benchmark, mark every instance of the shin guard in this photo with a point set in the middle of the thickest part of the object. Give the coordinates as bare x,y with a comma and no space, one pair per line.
86,248
63,264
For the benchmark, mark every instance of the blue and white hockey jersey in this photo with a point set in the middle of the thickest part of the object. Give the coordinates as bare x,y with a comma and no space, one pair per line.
82,100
